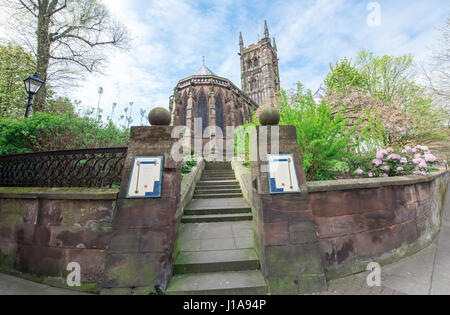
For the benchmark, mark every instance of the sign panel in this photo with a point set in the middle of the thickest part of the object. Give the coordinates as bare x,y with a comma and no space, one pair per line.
283,177
145,179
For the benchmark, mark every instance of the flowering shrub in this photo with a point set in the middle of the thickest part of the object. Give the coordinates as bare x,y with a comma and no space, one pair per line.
187,164
410,161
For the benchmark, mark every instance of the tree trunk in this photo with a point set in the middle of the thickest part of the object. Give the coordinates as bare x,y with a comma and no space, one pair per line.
43,53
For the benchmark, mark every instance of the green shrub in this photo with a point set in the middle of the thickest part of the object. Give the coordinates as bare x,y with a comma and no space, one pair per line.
242,139
188,164
49,132
324,138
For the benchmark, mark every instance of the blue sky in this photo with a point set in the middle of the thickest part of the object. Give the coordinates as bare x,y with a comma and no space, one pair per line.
171,36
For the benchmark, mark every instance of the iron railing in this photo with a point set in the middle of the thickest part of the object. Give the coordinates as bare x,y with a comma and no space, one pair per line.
94,168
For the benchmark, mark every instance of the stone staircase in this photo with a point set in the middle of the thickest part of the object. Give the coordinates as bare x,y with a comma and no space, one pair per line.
217,254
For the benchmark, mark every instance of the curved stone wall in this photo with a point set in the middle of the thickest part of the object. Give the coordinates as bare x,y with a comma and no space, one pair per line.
382,220
357,221
43,230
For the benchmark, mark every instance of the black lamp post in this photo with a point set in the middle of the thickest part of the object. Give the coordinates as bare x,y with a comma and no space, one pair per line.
32,85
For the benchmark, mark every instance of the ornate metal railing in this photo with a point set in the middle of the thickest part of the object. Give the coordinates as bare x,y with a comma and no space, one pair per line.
95,168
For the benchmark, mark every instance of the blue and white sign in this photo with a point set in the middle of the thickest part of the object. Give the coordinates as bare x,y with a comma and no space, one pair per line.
145,179
283,177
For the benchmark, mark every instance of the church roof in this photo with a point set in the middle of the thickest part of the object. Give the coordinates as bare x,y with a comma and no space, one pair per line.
204,70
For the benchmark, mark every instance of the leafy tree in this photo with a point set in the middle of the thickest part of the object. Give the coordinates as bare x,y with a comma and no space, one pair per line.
439,76
69,37
324,138
403,107
15,65
344,77
380,124
388,78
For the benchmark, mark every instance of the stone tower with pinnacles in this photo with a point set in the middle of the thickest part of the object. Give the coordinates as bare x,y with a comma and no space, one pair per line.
260,74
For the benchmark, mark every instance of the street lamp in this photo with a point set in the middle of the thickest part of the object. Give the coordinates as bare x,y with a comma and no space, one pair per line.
32,85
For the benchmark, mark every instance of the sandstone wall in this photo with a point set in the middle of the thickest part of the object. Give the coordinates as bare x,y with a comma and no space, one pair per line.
383,220
366,220
43,230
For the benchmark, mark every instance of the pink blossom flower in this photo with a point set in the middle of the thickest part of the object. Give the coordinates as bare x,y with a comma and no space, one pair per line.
381,154
378,162
385,168
414,150
371,174
423,164
394,157
384,175
360,171
390,150
400,169
430,158
418,161
408,149
404,161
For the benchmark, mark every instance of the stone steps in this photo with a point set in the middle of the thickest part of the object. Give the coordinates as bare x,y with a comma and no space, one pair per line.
215,190
218,196
216,261
217,255
218,173
210,183
211,186
210,218
249,282
194,212
218,178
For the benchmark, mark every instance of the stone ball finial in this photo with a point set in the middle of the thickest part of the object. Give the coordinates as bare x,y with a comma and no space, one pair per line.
269,116
159,117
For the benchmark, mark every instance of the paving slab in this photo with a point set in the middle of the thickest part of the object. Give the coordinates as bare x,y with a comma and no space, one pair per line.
212,218
224,283
216,236
216,261
412,275
441,275
231,203
15,286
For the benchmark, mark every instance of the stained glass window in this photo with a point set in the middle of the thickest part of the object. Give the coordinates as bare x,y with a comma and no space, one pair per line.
202,109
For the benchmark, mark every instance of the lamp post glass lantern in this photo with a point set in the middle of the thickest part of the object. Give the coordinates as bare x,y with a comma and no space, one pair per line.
32,85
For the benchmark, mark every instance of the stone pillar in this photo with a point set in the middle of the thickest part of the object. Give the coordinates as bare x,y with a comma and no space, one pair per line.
212,121
285,231
142,248
190,111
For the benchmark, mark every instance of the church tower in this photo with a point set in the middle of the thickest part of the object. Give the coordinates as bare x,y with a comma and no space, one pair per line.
259,69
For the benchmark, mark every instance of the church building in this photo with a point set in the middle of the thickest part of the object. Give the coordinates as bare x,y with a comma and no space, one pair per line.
215,101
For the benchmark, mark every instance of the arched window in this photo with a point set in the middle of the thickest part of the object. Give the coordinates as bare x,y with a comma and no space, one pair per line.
249,65
239,117
219,112
202,109
256,63
185,103
253,84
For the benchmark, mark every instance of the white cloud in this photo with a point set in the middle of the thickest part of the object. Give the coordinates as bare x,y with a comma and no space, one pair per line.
171,36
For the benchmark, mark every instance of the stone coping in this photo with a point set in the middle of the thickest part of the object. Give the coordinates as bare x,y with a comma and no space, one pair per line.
364,183
59,193
112,193
188,185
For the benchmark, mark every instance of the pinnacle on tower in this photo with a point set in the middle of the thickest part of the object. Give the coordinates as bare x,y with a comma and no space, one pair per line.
274,44
241,40
266,29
